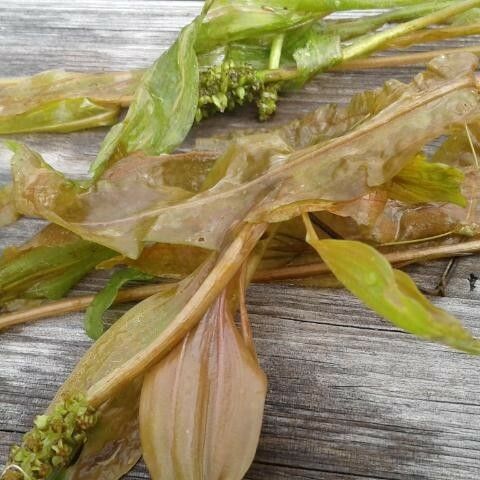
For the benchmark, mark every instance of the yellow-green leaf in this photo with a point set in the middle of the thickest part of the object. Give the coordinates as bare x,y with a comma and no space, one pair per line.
390,293
59,101
421,181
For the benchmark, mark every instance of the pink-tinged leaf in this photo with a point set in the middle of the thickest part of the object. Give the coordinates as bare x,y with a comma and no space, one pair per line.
201,407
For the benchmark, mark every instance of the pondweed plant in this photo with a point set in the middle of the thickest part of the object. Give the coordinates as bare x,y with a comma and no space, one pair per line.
271,201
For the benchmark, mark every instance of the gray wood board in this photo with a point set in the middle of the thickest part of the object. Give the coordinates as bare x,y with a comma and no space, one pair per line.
349,395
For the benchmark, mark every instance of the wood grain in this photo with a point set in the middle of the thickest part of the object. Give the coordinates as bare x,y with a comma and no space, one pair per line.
350,397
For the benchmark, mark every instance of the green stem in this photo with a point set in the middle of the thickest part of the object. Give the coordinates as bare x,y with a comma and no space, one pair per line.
276,52
403,60
354,28
337,5
435,35
366,45
376,41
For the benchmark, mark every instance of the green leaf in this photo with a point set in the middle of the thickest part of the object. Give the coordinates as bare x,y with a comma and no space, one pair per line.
318,53
61,116
423,182
252,54
390,293
163,109
105,298
59,101
232,21
47,266
259,177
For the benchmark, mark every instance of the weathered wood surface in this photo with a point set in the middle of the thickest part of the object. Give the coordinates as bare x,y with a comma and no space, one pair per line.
350,396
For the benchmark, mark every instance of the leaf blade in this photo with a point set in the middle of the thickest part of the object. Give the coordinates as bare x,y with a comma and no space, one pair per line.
163,109
93,322
390,293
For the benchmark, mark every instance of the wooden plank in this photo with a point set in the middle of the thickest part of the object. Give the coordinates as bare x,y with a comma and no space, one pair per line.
350,397
348,393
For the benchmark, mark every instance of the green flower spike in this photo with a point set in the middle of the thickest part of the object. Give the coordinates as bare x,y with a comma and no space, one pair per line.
226,86
52,442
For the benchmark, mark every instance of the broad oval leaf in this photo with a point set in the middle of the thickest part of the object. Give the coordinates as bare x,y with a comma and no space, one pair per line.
201,407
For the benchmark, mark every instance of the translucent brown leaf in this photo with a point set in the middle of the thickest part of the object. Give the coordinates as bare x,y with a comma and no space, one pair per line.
201,407
261,177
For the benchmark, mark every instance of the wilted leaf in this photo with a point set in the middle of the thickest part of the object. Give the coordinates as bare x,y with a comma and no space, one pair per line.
105,298
391,293
261,177
201,407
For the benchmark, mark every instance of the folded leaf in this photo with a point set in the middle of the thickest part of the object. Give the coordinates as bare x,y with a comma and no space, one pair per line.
105,298
47,266
8,211
164,106
61,116
260,177
59,101
159,323
391,293
201,407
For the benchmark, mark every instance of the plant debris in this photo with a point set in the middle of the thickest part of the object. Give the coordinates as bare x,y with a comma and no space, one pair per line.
355,185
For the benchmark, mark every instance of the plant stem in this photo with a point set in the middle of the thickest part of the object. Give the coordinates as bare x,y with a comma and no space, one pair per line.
354,28
337,5
401,257
402,60
76,304
276,52
434,35
368,44
228,264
